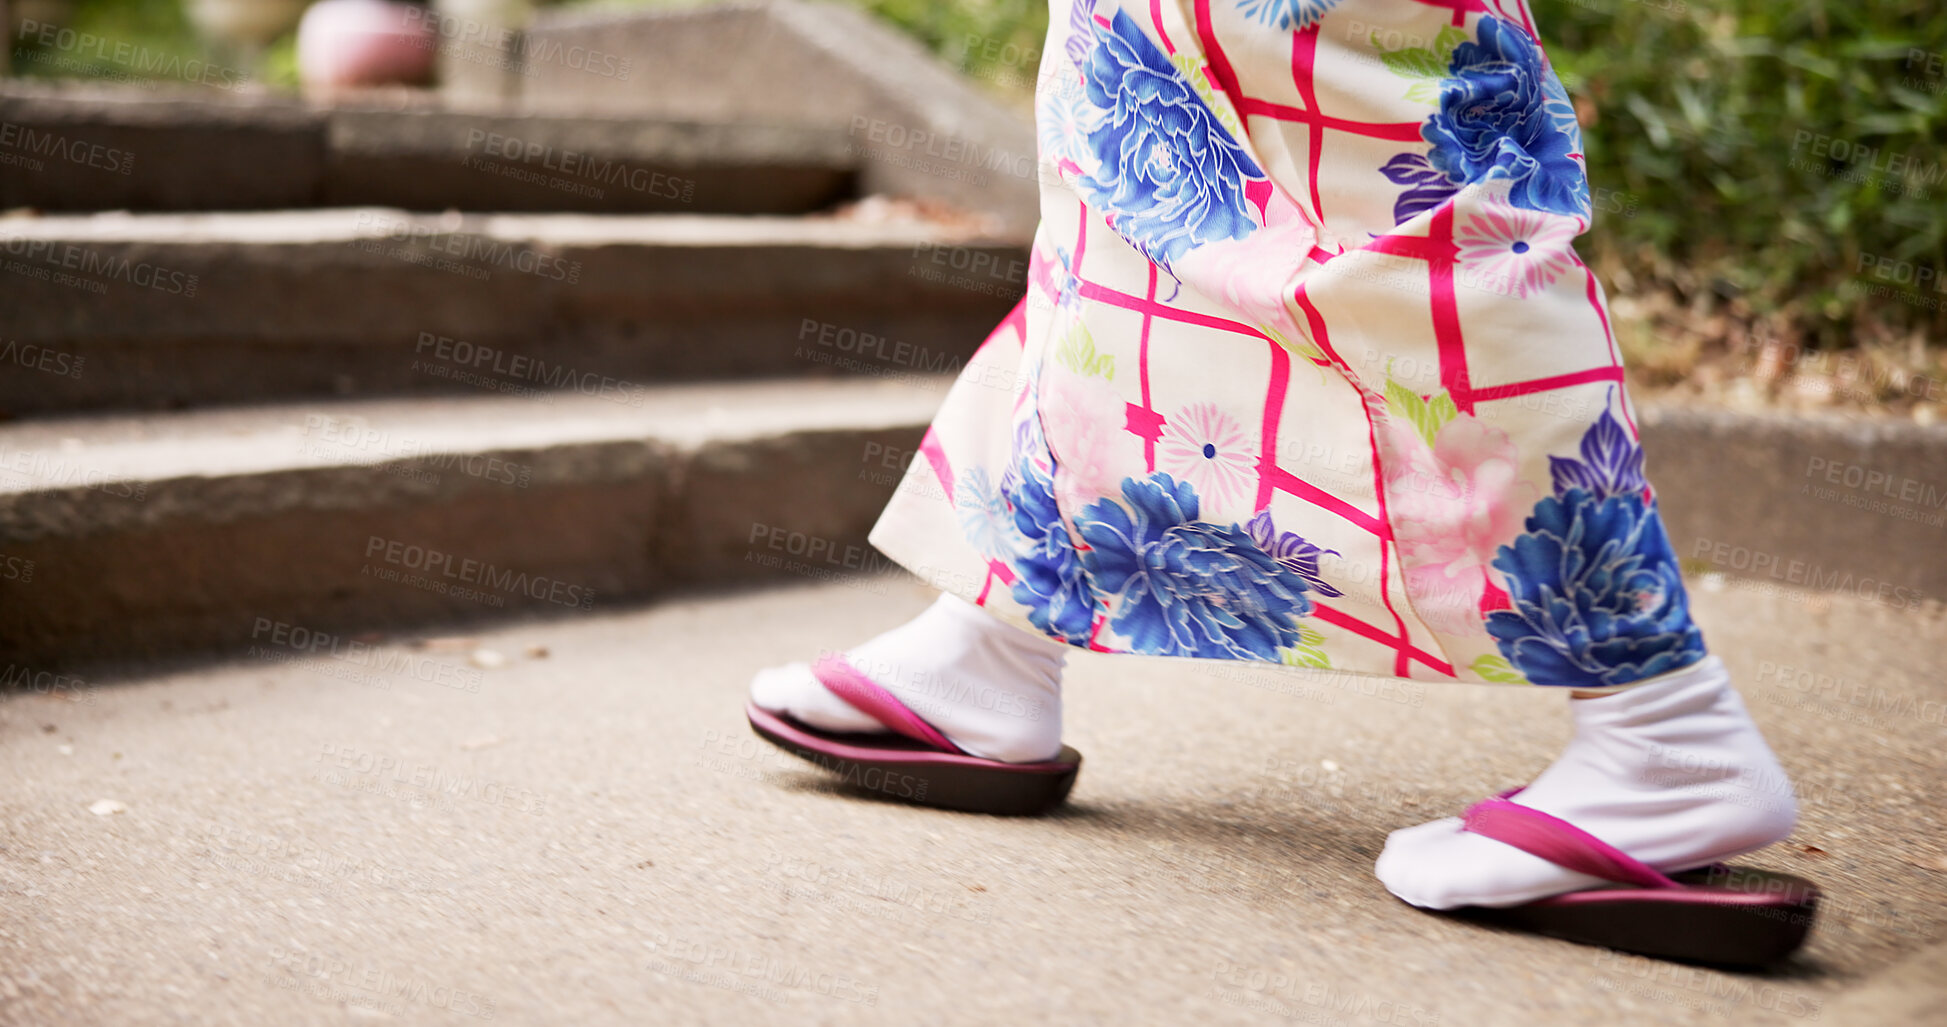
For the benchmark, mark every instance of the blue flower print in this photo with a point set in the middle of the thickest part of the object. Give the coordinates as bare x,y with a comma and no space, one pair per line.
1290,15
1294,553
1081,29
1598,599
1611,464
1426,186
1048,572
983,514
1169,177
1187,587
1501,117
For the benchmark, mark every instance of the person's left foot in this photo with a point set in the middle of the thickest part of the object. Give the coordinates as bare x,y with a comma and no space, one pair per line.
992,689
1672,772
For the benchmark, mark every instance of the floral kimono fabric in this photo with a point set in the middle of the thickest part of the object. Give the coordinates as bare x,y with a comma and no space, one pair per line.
1308,372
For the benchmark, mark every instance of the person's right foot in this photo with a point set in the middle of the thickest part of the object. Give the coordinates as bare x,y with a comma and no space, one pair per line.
991,688
1672,772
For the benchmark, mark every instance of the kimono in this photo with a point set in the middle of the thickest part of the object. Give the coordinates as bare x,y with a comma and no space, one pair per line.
1308,371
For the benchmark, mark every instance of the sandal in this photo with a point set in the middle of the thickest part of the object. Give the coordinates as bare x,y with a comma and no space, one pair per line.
1719,914
918,764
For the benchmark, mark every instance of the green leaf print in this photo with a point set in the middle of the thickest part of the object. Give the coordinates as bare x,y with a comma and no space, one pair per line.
1427,416
1497,670
1424,91
1309,652
1449,38
1077,353
1192,70
1440,409
1413,63
1426,66
1304,347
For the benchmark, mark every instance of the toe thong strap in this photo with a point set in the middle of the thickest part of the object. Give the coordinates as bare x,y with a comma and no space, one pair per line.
845,681
1559,842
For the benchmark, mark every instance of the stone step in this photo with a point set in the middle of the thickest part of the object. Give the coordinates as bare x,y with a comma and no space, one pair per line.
162,311
150,148
138,537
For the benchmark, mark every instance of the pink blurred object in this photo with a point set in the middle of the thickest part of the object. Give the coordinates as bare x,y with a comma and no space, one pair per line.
364,43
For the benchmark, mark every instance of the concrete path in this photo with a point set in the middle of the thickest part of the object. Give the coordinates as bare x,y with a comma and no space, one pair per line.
567,822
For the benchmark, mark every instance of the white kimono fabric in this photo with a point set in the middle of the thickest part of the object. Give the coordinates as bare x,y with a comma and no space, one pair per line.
1308,371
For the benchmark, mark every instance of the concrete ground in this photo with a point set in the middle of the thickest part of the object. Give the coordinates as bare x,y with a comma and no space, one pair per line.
567,822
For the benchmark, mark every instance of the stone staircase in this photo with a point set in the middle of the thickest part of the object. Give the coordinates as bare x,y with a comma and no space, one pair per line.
174,148
169,310
399,362
413,358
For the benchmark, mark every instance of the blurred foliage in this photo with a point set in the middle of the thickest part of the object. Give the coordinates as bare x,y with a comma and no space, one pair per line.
985,38
1721,139
1779,155
998,40
1720,136
147,40
158,28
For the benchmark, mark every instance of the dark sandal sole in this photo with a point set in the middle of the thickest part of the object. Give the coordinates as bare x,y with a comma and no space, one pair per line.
1731,916
910,771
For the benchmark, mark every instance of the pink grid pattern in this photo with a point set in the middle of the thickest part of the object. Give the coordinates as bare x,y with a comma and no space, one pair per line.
1437,249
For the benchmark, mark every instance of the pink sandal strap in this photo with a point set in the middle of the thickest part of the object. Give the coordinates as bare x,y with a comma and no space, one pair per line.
845,681
1559,842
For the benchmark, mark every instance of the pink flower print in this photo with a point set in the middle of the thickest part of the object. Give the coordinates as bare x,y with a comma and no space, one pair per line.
1205,447
1512,251
1254,275
1451,506
1084,416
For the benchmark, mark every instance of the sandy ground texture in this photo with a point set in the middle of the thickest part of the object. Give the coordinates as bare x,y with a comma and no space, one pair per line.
568,822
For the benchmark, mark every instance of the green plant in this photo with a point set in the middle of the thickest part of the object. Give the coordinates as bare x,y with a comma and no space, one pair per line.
996,39
1784,156
140,40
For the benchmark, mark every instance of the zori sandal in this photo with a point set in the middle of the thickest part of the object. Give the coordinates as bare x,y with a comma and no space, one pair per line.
917,763
1724,915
